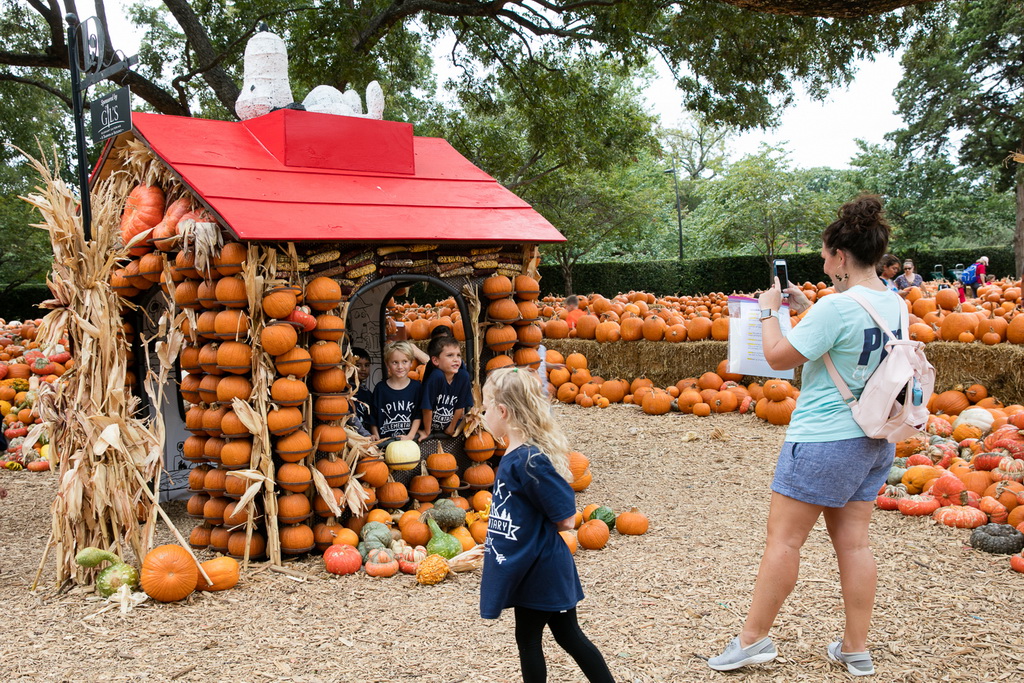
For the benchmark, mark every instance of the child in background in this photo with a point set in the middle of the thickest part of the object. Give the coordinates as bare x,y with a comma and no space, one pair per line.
363,398
527,565
572,305
446,394
396,401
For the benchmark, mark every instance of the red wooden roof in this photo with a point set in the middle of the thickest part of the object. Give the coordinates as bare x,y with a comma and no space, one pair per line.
294,175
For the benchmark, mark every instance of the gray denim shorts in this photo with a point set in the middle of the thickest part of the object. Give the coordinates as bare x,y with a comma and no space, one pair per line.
832,473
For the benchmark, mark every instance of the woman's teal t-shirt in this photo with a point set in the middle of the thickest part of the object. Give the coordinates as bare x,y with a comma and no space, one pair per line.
839,325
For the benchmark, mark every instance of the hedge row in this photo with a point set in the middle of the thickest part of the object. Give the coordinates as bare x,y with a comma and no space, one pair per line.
739,273
22,302
692,276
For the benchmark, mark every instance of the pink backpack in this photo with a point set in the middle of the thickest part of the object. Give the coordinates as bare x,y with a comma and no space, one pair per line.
894,402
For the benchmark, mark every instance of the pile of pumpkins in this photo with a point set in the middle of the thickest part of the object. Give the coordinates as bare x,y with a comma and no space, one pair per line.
993,317
430,541
24,367
965,471
718,391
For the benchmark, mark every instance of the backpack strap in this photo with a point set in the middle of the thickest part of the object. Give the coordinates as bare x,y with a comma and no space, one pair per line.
837,379
879,321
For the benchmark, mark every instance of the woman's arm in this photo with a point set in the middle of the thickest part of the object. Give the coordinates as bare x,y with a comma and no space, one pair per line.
778,352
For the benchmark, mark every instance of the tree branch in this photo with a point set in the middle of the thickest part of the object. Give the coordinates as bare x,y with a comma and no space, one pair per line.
38,84
216,77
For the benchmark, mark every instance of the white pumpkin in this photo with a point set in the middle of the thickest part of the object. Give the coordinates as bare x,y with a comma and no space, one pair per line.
402,455
979,417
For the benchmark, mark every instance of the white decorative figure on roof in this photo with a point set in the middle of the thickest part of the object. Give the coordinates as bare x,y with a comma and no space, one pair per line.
327,100
374,101
265,83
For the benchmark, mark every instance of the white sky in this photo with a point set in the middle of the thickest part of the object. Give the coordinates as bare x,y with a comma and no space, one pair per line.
815,133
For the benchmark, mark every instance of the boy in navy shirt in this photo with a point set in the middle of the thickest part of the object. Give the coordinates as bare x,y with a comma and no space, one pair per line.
446,394
363,398
395,410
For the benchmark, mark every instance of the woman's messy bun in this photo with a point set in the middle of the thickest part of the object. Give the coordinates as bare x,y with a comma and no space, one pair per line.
861,230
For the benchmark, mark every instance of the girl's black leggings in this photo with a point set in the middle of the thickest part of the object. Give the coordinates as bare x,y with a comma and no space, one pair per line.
566,630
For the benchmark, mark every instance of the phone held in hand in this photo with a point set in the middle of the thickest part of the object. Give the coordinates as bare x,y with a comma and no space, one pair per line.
781,271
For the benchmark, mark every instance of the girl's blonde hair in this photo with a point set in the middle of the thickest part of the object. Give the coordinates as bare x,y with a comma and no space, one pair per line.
529,412
402,347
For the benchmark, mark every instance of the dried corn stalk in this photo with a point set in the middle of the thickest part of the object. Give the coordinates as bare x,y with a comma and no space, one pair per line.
105,454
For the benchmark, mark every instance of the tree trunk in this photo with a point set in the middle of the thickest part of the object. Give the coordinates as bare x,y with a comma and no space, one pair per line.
567,276
1018,233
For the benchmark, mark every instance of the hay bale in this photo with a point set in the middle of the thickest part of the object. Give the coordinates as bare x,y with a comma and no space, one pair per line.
999,368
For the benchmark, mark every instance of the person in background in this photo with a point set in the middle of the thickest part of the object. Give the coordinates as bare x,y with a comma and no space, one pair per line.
827,465
887,269
448,393
527,565
396,401
908,278
572,305
363,398
980,267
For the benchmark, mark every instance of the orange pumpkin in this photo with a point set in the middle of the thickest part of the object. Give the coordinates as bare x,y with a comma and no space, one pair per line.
169,573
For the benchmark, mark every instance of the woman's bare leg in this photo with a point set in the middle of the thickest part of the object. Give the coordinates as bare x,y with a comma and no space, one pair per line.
848,528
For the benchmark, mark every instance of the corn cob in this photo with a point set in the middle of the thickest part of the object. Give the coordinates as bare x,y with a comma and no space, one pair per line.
509,271
397,263
332,270
423,262
453,259
384,251
445,267
464,270
484,250
359,258
291,266
324,257
485,265
423,247
361,271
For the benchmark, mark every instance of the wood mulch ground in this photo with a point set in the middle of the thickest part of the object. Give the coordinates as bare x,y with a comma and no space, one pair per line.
657,605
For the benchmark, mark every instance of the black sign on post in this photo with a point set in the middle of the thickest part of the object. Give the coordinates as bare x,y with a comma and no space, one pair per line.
111,114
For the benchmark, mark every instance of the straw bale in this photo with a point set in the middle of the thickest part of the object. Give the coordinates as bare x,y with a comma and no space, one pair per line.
1000,368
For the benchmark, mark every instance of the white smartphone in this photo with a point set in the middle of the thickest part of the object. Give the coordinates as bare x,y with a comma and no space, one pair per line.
782,272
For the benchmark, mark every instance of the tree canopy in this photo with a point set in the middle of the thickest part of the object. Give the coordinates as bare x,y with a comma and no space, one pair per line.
964,78
730,63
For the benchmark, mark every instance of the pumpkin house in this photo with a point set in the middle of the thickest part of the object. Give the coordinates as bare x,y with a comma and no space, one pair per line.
255,255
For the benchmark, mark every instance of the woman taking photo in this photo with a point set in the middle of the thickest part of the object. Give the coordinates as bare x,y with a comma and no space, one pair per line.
827,466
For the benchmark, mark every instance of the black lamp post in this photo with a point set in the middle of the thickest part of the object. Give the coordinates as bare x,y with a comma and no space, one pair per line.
679,210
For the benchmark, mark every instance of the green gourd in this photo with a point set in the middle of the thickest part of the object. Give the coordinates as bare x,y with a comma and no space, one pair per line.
896,474
110,579
605,514
377,531
441,543
364,547
447,514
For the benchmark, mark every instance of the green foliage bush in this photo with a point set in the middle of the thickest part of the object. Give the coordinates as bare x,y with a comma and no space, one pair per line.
740,273
22,301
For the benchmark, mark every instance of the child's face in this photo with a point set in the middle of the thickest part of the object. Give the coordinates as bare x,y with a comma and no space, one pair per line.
363,368
449,361
494,417
399,365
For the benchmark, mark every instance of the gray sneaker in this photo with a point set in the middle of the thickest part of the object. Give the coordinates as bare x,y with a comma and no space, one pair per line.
735,656
857,663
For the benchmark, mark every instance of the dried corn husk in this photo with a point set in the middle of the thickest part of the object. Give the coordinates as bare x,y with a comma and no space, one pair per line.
468,561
